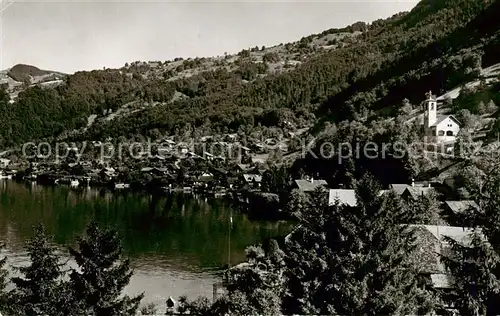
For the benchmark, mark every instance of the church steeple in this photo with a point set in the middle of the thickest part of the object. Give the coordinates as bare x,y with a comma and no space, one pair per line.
430,110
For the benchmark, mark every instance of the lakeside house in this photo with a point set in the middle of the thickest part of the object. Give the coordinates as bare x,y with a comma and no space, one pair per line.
108,174
205,139
155,171
4,163
253,180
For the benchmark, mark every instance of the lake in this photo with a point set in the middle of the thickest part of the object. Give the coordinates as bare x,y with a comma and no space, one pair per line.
177,243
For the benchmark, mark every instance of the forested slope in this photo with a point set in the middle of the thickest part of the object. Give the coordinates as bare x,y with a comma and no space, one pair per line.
437,45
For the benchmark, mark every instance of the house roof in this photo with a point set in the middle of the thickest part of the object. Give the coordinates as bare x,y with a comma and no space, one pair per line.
441,118
399,188
345,196
161,169
308,186
243,166
252,178
431,245
383,192
258,160
415,192
460,234
461,206
441,281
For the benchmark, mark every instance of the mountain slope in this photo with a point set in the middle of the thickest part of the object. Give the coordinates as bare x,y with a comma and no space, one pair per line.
392,51
365,69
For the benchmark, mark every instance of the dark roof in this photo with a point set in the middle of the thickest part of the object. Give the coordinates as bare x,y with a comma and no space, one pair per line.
462,206
415,192
308,186
399,188
431,244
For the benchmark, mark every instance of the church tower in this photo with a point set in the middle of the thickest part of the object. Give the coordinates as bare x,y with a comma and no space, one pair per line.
430,110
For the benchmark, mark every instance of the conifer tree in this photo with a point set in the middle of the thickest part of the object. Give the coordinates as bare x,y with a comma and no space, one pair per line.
354,260
424,210
3,284
263,280
104,273
492,107
339,260
474,268
40,291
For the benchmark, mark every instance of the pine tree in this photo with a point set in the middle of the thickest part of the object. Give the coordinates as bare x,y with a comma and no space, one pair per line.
40,290
104,274
3,284
474,265
340,260
354,260
481,108
474,268
424,210
492,107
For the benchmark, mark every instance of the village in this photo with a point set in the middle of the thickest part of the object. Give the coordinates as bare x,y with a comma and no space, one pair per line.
216,165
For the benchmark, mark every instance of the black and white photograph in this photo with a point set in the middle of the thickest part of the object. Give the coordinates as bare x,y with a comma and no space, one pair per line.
249,157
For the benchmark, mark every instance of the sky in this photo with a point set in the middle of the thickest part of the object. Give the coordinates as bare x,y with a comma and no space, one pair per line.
70,35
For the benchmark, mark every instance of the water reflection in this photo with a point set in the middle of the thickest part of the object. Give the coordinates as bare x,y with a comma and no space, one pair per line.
175,241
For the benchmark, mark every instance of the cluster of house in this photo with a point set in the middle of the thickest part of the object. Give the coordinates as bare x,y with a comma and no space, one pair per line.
170,175
215,163
429,237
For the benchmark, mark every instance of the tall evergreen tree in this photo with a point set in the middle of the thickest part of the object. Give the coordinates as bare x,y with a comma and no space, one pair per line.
3,284
104,273
339,260
354,260
40,291
474,268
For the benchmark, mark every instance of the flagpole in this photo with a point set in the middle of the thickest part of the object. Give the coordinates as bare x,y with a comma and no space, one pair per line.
229,240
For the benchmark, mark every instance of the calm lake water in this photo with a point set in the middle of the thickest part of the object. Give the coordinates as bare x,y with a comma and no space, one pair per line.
177,243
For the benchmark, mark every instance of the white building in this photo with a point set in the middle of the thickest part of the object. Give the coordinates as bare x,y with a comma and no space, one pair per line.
438,128
4,163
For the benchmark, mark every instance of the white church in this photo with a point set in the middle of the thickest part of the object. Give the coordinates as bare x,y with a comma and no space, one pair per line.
438,129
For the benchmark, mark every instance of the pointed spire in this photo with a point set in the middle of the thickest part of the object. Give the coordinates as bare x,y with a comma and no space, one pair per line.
429,95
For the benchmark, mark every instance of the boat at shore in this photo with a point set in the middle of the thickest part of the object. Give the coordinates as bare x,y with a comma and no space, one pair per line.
5,176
